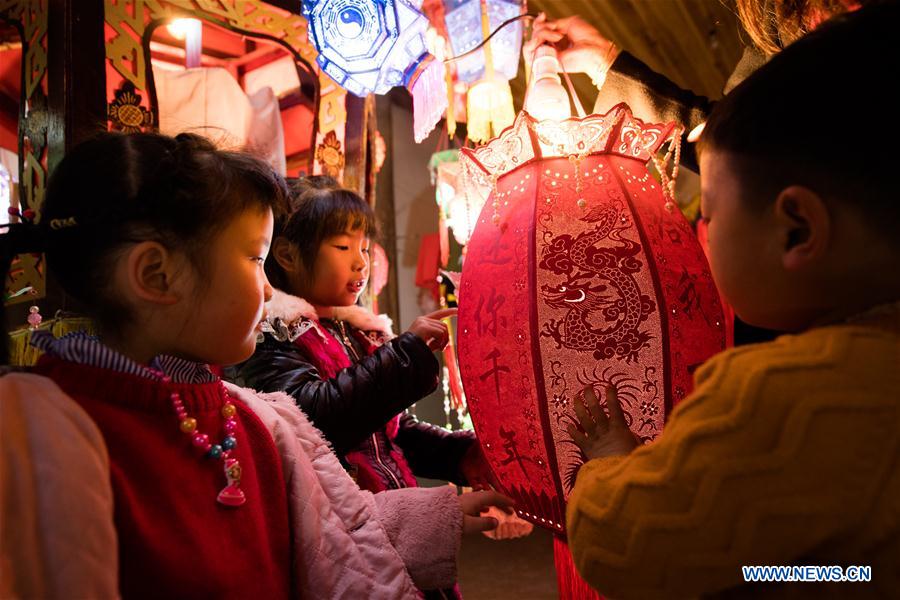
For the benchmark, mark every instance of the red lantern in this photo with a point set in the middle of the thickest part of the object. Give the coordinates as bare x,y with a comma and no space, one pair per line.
580,271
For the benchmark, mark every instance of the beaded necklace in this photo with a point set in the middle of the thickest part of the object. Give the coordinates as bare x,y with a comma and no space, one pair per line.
231,494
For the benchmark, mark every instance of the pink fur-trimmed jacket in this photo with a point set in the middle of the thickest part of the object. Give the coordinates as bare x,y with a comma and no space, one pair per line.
347,543
369,545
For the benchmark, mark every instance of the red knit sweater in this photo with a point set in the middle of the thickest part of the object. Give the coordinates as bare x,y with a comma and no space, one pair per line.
175,539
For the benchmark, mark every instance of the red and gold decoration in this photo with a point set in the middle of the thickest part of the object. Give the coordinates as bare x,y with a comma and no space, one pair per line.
26,279
127,22
580,272
126,112
330,155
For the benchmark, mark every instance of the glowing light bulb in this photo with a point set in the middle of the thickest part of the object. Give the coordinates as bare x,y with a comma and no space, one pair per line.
547,98
180,28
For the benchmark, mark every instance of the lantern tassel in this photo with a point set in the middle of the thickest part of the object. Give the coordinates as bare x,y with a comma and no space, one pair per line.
489,108
429,99
673,155
451,112
571,585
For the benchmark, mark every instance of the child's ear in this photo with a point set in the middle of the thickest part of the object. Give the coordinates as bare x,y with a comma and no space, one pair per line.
286,255
804,226
150,273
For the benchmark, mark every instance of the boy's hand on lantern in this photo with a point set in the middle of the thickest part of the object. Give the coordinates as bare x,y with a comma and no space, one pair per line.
475,469
597,434
475,503
432,330
580,47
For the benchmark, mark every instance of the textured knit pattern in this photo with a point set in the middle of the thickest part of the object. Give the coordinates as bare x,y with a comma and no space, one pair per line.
786,453
173,537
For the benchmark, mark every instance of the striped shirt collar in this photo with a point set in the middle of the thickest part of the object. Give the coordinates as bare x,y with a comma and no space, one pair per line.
84,349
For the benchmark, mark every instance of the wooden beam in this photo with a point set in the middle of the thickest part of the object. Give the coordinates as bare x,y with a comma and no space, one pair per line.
77,71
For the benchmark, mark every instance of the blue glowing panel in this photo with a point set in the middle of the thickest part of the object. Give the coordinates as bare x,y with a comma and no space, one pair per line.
367,45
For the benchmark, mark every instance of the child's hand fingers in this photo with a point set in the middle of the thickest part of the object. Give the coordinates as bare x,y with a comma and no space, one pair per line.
597,414
501,501
442,314
441,336
588,424
616,415
432,331
475,503
579,438
593,406
477,524
439,340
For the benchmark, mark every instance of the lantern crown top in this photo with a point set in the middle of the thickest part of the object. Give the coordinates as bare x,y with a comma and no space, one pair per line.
527,139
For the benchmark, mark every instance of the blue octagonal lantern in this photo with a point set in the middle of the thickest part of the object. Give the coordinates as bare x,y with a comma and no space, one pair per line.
368,45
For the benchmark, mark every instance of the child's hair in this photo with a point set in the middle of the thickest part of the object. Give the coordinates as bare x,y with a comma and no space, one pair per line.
116,189
774,24
821,114
320,209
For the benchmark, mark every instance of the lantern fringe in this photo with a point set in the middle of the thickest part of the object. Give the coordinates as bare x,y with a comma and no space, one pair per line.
489,109
673,154
429,99
571,585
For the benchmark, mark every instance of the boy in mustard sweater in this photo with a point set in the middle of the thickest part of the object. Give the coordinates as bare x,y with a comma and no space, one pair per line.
787,453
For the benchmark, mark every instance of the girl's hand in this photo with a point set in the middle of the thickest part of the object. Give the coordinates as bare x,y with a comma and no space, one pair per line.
431,330
475,503
511,526
580,47
598,435
475,469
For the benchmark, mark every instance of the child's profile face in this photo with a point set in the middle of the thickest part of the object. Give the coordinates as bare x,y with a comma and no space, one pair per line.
740,240
223,317
341,270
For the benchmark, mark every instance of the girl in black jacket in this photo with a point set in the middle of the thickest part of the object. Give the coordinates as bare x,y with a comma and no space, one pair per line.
340,362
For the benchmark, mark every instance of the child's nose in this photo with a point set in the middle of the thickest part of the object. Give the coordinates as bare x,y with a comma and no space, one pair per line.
267,291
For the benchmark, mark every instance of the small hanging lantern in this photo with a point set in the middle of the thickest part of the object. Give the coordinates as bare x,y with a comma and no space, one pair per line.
371,46
463,19
489,106
455,211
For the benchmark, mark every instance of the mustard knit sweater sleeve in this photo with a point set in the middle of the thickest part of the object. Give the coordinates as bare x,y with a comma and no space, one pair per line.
786,453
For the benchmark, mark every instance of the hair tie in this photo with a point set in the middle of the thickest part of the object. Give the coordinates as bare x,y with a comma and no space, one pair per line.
63,223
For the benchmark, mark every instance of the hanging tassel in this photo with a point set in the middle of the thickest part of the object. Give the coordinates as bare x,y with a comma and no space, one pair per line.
490,109
429,99
571,585
673,155
451,109
489,104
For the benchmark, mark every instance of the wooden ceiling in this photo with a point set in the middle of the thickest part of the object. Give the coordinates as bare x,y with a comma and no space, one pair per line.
695,43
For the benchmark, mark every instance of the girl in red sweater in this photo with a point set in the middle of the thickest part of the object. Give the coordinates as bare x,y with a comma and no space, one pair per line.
217,490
